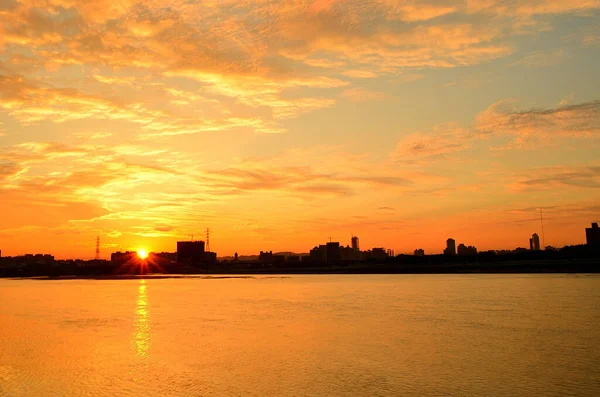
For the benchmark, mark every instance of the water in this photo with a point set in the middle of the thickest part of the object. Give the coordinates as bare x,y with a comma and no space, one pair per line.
401,335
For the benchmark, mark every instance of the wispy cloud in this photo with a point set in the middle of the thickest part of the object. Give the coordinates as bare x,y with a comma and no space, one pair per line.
541,59
359,94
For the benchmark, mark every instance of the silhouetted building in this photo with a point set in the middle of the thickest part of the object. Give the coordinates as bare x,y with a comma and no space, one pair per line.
592,235
122,258
450,247
463,250
210,257
348,253
390,253
190,251
419,252
333,252
235,257
318,254
265,257
166,256
269,258
355,245
377,254
534,242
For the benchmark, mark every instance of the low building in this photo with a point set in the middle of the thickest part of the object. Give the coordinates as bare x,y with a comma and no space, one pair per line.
463,250
122,258
269,258
318,254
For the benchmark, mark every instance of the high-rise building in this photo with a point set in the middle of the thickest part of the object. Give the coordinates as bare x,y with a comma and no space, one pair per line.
333,252
450,247
534,242
419,252
355,246
592,235
190,251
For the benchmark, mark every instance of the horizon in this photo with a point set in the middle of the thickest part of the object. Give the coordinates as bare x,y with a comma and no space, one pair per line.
279,125
150,251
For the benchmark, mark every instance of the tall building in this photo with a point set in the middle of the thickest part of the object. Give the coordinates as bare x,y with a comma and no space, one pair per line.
450,247
190,251
592,235
419,252
333,252
534,242
355,246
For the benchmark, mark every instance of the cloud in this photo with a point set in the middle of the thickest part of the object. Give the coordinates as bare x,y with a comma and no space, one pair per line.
445,139
531,7
412,11
541,59
578,120
359,94
559,178
236,55
525,128
359,74
8,169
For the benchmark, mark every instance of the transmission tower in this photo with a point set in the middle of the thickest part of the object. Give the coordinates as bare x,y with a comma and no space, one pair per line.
97,247
542,221
207,240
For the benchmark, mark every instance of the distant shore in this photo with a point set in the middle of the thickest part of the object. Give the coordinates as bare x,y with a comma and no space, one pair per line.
217,271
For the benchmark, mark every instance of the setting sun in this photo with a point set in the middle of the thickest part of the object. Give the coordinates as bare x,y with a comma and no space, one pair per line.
142,253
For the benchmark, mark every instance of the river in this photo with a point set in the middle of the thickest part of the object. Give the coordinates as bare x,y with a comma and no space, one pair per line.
321,335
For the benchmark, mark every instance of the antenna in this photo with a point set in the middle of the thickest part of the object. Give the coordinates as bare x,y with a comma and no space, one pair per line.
97,247
542,220
207,239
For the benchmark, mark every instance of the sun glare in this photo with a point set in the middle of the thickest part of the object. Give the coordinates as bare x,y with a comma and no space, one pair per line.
142,254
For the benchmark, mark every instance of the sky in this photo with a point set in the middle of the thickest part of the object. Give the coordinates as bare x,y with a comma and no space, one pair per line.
282,124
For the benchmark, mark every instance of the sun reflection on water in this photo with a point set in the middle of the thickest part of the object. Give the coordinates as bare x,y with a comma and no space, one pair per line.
142,327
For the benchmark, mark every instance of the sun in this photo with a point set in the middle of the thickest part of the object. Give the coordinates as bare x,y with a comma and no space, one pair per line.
142,253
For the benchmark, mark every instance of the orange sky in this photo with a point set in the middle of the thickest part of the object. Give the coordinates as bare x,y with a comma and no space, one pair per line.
281,124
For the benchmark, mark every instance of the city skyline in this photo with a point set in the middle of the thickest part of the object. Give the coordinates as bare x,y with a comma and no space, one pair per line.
591,236
279,124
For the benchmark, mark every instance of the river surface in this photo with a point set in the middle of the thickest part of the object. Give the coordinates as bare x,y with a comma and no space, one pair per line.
342,335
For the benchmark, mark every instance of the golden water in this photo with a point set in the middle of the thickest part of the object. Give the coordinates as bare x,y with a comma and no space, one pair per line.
401,335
